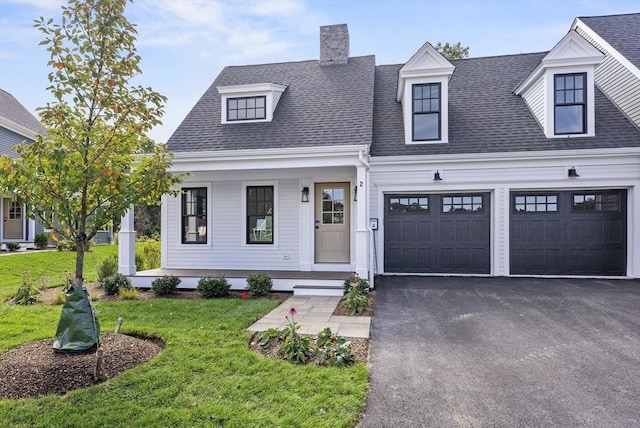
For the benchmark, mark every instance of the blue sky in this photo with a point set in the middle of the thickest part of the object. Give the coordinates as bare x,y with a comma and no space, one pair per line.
185,43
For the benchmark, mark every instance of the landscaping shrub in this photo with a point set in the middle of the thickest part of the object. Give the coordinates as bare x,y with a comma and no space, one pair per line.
259,284
355,281
112,284
41,240
214,286
12,246
27,293
70,245
106,268
147,253
165,285
128,293
356,300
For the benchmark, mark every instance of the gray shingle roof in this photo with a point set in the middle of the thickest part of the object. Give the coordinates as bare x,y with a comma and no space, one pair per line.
485,115
12,110
322,106
621,31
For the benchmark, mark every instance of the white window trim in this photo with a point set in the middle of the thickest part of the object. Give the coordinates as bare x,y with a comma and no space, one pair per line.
271,91
549,78
407,108
189,185
276,215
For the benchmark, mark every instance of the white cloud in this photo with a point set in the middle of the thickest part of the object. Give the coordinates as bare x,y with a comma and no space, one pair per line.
39,4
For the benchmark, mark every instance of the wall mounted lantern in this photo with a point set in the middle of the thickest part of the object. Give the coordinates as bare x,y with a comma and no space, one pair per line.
572,172
436,176
355,193
305,194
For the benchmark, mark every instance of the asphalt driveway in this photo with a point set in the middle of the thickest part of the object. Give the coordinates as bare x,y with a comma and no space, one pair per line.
504,352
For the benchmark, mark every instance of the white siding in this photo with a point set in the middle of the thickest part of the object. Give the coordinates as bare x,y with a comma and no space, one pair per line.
617,82
534,98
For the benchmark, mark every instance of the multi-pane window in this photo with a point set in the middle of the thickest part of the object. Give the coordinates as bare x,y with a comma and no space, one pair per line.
15,211
409,204
333,201
570,101
260,214
596,202
246,108
194,215
426,99
464,203
536,203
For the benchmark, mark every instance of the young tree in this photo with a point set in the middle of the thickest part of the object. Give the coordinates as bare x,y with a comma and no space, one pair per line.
89,168
450,51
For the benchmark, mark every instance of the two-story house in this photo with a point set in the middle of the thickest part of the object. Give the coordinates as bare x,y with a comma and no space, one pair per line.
16,126
525,164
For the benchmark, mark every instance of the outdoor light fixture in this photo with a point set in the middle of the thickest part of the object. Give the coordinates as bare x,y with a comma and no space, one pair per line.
355,193
436,176
305,194
572,172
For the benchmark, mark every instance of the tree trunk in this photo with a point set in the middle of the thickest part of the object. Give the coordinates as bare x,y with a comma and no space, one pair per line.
80,245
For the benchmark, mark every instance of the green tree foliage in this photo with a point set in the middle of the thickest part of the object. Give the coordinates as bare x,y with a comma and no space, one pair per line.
450,51
90,167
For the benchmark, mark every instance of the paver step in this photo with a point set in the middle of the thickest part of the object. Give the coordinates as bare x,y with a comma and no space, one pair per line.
318,290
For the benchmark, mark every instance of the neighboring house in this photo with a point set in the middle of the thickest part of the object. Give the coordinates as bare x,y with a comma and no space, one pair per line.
16,126
524,164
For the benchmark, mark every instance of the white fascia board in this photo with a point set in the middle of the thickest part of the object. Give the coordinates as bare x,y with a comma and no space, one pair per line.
254,87
17,128
610,49
503,156
298,157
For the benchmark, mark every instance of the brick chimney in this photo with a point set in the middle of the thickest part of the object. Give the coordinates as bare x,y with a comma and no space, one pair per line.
334,44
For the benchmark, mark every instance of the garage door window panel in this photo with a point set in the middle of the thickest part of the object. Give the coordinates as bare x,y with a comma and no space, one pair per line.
536,203
462,203
596,202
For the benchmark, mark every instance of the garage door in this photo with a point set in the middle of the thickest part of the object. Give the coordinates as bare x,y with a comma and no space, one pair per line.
568,233
437,233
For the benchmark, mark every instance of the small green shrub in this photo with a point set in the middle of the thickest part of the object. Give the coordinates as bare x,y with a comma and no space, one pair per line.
214,286
333,350
295,348
355,281
70,245
128,293
106,268
259,284
27,293
165,285
112,284
12,246
147,253
41,240
355,301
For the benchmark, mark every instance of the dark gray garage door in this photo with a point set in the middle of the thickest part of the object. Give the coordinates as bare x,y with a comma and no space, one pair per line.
437,233
569,233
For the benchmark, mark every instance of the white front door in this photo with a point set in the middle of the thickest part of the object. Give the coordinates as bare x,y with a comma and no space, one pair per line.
13,219
332,222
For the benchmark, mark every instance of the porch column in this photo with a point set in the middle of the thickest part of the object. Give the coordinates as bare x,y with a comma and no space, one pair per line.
127,245
362,222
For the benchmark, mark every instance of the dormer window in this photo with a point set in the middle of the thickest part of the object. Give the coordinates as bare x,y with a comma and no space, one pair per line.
246,108
570,103
426,112
250,103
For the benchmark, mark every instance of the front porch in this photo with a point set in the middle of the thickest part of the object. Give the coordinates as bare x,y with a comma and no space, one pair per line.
327,283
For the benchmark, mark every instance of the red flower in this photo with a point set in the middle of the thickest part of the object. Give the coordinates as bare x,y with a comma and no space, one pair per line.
292,311
245,295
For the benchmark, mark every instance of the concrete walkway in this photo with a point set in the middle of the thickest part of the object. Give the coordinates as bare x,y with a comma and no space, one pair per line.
314,313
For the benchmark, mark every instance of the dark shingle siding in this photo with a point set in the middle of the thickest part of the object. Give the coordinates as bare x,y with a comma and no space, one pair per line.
620,31
322,106
485,116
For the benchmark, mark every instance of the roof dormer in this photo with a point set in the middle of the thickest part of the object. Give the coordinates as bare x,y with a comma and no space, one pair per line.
249,103
560,91
423,90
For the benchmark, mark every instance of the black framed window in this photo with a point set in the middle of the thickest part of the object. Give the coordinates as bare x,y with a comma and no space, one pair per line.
570,103
596,202
260,214
194,215
535,203
246,108
462,203
426,98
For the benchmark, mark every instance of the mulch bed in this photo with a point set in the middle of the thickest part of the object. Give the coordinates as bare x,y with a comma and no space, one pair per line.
34,369
367,312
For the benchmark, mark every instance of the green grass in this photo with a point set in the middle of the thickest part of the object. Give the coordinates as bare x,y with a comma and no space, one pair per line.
206,375
47,264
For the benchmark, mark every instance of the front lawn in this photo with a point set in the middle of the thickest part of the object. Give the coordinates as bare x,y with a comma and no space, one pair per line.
50,265
205,376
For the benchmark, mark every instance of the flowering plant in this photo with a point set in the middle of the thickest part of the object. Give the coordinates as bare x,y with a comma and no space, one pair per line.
295,348
354,281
